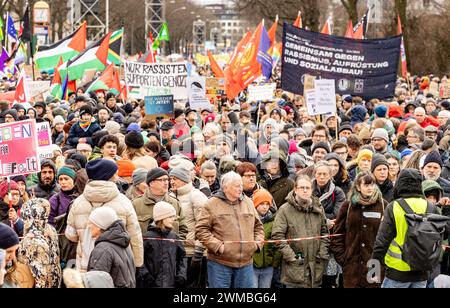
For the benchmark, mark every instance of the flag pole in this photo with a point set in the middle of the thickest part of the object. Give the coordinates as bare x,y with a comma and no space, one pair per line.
6,33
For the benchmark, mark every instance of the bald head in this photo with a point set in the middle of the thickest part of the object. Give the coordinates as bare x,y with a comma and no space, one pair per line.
420,115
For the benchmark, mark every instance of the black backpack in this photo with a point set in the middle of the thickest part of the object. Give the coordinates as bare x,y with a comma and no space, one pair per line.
423,242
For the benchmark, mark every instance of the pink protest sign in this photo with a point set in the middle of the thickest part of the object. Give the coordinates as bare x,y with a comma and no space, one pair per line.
18,149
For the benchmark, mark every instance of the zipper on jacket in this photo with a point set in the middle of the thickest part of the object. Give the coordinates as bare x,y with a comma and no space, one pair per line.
240,232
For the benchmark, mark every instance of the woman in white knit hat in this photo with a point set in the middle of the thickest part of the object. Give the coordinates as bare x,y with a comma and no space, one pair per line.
163,252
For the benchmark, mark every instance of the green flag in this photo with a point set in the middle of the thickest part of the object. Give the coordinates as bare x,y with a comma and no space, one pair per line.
164,33
1,28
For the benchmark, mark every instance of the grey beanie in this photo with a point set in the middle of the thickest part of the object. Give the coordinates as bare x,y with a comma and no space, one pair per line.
97,280
182,174
139,176
103,217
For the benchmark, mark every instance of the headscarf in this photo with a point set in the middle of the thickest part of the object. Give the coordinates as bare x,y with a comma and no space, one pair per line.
39,248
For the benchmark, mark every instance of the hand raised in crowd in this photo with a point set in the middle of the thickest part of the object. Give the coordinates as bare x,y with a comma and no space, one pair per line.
444,201
12,215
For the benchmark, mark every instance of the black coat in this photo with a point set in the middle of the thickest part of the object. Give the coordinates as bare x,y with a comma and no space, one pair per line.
387,189
163,261
445,184
76,132
333,203
112,254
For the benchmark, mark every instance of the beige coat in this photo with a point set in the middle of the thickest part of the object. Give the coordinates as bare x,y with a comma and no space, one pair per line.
224,223
191,201
97,194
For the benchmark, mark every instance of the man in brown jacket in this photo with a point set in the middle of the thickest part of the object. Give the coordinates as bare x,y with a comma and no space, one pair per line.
230,228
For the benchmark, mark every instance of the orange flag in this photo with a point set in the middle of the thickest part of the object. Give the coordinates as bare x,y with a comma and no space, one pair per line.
359,34
349,32
244,67
298,22
216,69
327,28
273,31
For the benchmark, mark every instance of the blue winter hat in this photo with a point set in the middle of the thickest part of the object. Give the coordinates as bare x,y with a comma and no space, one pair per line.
134,127
405,153
101,170
118,117
381,111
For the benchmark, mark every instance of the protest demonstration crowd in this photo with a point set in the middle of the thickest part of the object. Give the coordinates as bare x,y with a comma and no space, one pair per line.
259,175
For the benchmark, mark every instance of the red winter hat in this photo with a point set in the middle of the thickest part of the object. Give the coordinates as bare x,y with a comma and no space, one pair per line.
395,112
4,188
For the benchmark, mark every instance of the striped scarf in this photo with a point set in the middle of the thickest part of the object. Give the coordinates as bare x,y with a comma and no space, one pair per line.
85,125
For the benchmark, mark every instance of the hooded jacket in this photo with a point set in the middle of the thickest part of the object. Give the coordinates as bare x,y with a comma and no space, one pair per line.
224,223
144,210
39,248
97,194
112,254
359,114
344,184
42,191
164,265
293,221
280,186
191,201
407,188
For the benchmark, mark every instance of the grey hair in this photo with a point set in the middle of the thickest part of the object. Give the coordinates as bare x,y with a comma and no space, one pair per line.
228,178
322,164
208,165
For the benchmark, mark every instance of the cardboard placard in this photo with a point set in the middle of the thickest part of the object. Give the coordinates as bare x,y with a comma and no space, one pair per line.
261,93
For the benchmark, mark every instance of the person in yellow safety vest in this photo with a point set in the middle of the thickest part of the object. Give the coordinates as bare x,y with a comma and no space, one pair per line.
392,233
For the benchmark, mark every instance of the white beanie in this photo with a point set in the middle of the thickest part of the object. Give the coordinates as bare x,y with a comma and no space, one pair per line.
163,210
103,217
58,120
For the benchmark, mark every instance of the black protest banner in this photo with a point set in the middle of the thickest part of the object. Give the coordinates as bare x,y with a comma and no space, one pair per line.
366,68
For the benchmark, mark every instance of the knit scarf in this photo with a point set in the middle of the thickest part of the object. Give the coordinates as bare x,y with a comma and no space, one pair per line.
357,198
85,125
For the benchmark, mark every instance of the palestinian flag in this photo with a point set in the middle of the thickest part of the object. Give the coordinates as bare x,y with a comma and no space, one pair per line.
56,89
105,82
94,57
47,57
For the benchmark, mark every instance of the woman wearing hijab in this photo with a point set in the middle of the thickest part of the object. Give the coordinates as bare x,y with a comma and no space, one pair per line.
39,248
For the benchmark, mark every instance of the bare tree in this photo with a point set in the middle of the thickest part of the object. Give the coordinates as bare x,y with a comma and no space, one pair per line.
351,6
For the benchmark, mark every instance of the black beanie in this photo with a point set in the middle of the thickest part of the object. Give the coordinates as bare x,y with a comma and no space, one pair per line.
177,112
433,157
321,145
134,140
8,237
379,160
155,174
101,169
86,109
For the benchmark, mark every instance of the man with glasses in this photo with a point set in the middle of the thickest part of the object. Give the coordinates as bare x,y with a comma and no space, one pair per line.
380,140
415,136
11,116
158,190
319,134
248,173
341,149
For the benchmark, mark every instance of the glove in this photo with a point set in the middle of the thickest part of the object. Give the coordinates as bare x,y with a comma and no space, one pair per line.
198,254
297,261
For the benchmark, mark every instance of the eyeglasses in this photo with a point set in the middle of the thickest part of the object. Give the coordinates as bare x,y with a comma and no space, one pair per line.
165,180
341,153
305,188
249,176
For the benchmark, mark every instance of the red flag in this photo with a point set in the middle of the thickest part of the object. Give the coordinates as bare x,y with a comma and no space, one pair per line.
124,93
359,34
103,50
244,67
116,82
349,32
216,69
327,28
273,31
57,77
21,95
403,50
78,42
298,22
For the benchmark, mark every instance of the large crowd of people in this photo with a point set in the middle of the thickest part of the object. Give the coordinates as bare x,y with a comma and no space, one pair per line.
238,195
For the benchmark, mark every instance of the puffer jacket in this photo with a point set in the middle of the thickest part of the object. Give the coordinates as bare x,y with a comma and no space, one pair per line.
144,210
269,254
163,260
76,132
112,254
191,201
295,221
279,187
97,194
224,223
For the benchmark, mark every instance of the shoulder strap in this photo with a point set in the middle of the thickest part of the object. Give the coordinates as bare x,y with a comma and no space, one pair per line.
404,205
